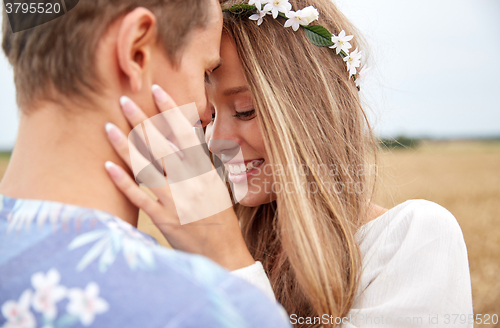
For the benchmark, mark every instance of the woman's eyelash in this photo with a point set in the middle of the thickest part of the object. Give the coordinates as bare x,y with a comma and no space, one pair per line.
241,115
246,114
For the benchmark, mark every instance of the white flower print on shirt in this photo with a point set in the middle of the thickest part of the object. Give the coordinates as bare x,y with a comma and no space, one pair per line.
18,314
85,304
48,293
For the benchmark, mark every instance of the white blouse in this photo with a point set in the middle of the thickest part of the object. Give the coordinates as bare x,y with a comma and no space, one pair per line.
415,271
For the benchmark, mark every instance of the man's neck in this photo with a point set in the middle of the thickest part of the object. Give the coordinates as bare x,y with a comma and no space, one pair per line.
59,156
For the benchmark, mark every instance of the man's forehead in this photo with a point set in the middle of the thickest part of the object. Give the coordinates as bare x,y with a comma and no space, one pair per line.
213,33
215,12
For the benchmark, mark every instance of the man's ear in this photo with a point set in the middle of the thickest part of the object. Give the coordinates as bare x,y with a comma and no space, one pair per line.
136,37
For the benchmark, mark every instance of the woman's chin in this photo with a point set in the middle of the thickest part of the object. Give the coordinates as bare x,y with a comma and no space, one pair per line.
248,203
254,200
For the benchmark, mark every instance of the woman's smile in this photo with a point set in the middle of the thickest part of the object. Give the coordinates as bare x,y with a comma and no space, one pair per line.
241,172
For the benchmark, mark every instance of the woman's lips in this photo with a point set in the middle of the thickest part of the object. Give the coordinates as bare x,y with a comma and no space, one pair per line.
239,173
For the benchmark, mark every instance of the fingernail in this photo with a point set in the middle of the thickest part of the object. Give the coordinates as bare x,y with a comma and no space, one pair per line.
112,169
128,105
113,132
159,94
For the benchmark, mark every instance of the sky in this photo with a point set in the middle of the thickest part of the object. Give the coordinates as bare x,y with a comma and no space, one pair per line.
434,69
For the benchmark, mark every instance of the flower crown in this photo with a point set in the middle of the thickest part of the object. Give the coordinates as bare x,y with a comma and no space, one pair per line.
317,34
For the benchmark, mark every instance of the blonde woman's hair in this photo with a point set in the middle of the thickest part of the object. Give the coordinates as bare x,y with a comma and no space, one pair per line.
310,116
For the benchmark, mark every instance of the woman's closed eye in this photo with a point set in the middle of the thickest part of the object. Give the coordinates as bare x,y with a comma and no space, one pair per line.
245,116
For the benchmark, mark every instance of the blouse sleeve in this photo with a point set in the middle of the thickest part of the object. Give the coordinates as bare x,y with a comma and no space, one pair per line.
256,275
416,272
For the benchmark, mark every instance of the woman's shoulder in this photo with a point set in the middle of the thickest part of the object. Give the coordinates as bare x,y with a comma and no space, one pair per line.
415,220
414,251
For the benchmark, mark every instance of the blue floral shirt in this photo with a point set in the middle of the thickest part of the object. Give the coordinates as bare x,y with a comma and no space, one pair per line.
67,266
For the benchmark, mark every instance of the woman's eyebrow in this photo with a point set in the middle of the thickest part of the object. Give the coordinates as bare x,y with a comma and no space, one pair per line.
236,90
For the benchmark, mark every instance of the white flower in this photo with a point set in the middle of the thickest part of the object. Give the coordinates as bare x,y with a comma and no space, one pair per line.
18,314
258,3
259,17
341,42
353,61
85,304
47,292
275,6
310,14
295,20
301,17
360,78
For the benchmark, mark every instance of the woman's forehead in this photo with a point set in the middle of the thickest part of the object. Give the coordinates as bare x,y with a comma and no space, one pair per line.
231,70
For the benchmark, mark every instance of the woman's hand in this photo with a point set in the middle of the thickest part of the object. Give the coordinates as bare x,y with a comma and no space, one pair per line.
179,199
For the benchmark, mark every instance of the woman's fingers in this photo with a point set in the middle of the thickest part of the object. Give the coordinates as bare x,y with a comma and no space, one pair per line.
133,113
163,100
119,142
160,145
180,122
129,153
151,175
132,191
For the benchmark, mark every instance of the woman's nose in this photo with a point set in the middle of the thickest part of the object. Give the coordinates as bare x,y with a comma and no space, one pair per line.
226,150
223,139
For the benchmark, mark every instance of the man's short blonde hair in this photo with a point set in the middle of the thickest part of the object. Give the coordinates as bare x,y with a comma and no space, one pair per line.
61,54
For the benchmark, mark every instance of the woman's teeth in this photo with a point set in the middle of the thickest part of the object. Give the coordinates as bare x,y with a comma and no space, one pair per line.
242,168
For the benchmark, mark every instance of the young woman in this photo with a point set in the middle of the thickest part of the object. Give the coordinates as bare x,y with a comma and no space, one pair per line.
310,231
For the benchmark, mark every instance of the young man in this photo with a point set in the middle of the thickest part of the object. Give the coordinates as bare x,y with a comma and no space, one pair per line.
67,258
